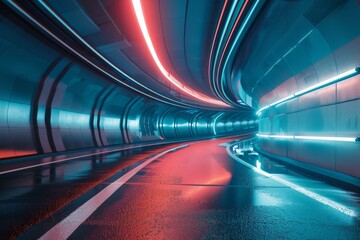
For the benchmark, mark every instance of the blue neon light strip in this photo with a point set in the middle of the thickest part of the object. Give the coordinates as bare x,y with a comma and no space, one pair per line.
237,37
214,124
318,138
220,42
315,87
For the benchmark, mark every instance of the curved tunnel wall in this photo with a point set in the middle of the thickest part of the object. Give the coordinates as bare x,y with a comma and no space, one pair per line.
50,103
332,47
330,112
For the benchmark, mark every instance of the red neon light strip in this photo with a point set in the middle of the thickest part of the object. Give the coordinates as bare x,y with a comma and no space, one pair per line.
213,43
232,31
172,79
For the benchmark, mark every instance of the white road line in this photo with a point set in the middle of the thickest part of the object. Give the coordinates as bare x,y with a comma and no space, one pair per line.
97,153
71,158
337,206
67,226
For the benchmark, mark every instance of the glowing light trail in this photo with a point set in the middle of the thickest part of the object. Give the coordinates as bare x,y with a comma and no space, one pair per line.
236,40
30,18
227,22
213,42
318,138
141,20
230,35
315,87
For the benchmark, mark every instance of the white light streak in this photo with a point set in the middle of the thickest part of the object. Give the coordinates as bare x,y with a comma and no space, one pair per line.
317,197
317,86
318,138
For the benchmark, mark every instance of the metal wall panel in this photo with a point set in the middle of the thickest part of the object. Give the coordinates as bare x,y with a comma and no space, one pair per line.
347,119
218,124
110,117
347,160
292,129
349,89
265,126
202,126
183,124
21,68
149,121
138,121
6,147
237,125
319,115
317,121
321,97
168,125
74,97
279,124
278,146
317,153
50,103
348,125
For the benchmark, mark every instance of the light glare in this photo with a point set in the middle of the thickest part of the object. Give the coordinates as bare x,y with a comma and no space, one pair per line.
319,138
332,80
327,82
317,197
141,20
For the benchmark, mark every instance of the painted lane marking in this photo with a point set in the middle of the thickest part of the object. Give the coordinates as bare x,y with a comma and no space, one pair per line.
76,157
102,152
324,200
68,225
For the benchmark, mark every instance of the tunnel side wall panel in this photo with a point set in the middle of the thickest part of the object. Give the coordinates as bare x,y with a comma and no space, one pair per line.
330,112
50,102
312,54
18,88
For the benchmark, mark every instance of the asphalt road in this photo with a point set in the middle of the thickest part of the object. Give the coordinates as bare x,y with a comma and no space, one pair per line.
195,192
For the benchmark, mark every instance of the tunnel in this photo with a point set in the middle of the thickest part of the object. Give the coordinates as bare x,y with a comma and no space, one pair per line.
179,119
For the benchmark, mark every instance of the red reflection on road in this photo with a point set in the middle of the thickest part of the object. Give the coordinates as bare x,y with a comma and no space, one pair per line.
7,153
162,201
199,166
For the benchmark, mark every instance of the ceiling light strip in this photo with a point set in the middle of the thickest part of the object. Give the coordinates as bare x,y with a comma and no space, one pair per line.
240,32
230,35
330,81
28,17
58,18
224,50
232,9
213,42
318,138
142,23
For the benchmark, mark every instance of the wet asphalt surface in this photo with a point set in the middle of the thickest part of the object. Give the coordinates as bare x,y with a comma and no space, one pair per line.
198,192
30,196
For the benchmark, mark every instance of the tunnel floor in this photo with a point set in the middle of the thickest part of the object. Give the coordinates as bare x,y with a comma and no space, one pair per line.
197,191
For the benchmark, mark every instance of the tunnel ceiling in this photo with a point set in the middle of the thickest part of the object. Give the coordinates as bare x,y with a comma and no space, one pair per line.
294,44
199,53
194,41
